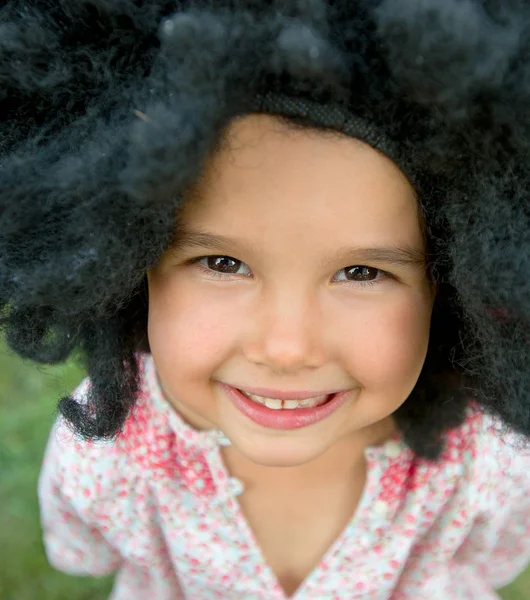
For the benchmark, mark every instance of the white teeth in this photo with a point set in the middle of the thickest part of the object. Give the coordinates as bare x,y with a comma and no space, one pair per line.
292,403
273,403
276,404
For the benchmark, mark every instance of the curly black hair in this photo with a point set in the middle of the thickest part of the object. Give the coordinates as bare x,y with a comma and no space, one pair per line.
110,108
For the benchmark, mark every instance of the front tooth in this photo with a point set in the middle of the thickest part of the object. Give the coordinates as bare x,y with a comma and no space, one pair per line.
276,404
273,403
293,403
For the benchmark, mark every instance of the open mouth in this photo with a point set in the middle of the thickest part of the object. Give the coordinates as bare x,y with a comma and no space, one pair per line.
276,404
286,414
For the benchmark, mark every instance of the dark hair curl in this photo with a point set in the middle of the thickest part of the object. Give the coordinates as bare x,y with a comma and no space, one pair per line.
109,109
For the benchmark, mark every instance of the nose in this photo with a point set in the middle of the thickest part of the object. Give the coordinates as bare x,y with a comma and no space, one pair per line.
285,335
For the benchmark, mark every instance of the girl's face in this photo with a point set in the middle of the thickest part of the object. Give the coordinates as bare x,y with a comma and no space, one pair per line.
294,296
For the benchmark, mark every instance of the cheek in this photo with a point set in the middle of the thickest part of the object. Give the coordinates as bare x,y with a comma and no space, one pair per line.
391,343
189,332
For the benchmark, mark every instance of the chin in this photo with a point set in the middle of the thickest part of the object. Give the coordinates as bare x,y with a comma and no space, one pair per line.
277,452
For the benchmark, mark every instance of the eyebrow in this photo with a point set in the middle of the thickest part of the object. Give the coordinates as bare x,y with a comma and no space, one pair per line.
399,256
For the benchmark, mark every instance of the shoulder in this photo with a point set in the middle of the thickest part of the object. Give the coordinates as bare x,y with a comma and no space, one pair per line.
496,459
114,467
481,457
502,453
81,468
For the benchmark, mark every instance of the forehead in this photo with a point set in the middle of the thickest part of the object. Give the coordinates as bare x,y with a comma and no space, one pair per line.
267,180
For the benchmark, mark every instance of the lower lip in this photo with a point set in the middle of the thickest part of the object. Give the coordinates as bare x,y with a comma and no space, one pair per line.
288,418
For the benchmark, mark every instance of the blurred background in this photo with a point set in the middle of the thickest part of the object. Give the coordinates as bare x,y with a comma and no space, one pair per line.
28,397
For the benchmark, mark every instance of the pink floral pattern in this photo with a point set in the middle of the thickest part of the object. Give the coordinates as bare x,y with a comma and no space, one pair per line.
158,507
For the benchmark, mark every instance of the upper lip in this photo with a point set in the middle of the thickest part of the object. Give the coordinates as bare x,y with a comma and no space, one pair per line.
286,395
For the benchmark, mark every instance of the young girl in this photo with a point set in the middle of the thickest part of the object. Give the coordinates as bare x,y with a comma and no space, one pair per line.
290,243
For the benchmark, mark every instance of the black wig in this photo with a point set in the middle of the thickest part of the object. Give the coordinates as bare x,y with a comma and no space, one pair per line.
110,108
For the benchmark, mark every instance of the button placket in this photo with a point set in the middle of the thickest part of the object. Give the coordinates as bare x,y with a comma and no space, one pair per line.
227,487
233,486
392,458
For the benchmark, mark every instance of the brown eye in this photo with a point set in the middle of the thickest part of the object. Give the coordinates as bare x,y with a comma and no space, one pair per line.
361,276
223,264
361,273
222,267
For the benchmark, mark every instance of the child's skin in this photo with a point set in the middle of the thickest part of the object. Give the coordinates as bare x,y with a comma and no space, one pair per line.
289,319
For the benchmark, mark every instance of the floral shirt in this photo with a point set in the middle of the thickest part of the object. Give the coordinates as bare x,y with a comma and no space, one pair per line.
158,507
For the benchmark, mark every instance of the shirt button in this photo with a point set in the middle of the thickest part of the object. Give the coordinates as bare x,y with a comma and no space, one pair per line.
393,450
235,486
381,508
365,541
223,440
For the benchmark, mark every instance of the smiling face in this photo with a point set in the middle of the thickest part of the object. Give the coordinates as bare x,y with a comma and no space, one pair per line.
294,294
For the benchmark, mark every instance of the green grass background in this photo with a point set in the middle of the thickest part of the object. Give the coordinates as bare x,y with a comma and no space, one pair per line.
28,396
